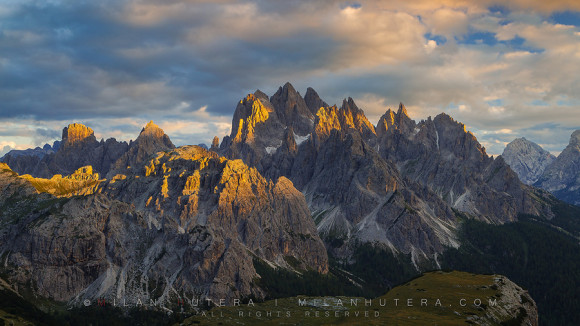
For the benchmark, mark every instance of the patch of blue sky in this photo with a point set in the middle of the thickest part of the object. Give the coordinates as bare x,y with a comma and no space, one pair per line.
440,39
477,37
568,102
496,102
354,5
539,103
499,9
519,44
566,18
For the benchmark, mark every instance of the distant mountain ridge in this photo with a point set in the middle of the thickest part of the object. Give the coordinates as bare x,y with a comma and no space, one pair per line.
527,159
562,176
558,175
79,148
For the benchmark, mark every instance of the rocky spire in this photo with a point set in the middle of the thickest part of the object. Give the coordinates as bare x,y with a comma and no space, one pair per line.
385,123
151,140
292,110
250,112
561,176
77,133
575,138
215,143
355,118
261,95
313,101
395,121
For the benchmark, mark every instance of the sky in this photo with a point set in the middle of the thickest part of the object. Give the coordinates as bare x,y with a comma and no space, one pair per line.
504,70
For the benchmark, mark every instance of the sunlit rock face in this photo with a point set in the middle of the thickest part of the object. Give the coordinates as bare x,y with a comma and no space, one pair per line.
183,223
353,194
527,159
562,176
81,182
395,184
151,140
75,134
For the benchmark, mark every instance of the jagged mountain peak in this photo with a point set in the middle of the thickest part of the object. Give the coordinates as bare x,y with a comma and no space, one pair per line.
523,144
291,110
151,140
386,121
395,121
575,138
250,112
402,110
151,129
75,133
349,104
261,95
447,120
313,101
285,93
353,117
215,143
527,159
562,176
153,133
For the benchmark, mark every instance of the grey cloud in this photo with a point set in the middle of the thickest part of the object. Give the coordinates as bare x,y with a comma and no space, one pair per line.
103,62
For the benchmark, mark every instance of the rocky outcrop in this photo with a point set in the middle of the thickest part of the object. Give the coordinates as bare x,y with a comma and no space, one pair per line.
215,143
562,177
527,159
151,140
184,223
81,182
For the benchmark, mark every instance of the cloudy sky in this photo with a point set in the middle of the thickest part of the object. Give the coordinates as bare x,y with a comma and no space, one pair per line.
504,71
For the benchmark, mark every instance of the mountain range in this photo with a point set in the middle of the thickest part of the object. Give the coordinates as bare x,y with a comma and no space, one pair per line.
298,186
558,175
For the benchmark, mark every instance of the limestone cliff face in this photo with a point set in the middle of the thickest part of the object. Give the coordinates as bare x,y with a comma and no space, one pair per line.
527,159
442,155
562,176
184,223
